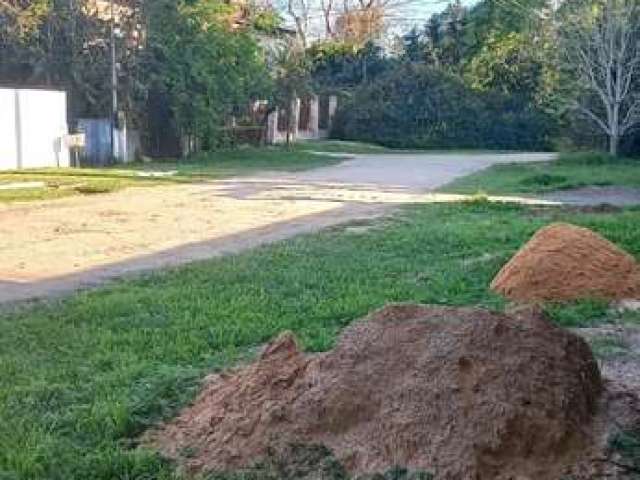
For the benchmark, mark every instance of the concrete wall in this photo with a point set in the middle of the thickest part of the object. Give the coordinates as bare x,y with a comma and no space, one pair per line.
33,124
8,144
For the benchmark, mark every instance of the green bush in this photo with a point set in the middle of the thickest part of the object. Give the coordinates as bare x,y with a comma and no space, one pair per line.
416,106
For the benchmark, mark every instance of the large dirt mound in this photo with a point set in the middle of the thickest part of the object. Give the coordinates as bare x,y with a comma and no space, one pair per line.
462,393
565,262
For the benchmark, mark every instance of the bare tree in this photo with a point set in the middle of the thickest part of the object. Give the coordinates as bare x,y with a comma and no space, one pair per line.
603,52
327,13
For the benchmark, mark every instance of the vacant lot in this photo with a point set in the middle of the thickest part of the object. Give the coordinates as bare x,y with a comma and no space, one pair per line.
82,378
54,247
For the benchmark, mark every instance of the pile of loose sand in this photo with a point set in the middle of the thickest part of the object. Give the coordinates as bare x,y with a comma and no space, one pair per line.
462,393
565,262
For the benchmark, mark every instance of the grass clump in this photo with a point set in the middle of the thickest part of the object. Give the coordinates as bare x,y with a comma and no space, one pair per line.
545,180
581,313
568,171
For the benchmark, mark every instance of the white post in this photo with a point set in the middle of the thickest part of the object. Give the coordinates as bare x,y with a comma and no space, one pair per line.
314,117
18,120
333,106
295,119
272,127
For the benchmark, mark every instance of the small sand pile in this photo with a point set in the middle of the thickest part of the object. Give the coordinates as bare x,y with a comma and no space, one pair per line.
461,393
565,262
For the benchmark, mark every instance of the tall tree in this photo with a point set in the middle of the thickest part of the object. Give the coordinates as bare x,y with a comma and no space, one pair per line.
413,46
509,64
205,69
602,52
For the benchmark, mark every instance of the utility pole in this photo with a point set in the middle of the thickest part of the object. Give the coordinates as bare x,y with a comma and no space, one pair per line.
114,83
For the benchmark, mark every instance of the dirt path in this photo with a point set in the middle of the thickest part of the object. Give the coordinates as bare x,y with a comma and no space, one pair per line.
56,247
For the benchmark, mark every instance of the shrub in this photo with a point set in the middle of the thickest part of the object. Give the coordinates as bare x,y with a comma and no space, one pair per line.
416,106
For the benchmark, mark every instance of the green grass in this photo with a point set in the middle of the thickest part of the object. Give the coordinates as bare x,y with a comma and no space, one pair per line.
87,181
240,161
81,379
66,182
340,146
569,171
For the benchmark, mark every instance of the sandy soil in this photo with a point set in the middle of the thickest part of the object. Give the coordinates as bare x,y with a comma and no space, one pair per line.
464,393
55,247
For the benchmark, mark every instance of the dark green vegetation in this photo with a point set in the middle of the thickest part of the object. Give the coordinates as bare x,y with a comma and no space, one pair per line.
493,75
570,171
469,77
395,111
177,59
82,378
205,166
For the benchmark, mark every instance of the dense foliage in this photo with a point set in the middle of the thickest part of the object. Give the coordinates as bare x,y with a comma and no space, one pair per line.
182,65
190,69
478,77
418,106
510,67
205,71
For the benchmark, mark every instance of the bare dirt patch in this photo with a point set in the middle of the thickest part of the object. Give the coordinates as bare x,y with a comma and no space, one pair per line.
565,262
56,247
459,393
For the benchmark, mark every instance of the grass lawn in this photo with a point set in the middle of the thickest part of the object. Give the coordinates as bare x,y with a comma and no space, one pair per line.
80,379
340,146
77,181
63,182
241,161
570,171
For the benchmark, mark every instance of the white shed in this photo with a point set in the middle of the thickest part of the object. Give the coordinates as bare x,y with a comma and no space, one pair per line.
33,127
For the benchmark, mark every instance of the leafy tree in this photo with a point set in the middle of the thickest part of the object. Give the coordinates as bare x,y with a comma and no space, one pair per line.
445,40
507,63
497,17
413,46
338,66
205,70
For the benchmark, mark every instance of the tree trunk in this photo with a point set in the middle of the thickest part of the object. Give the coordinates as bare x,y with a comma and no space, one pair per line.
613,144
